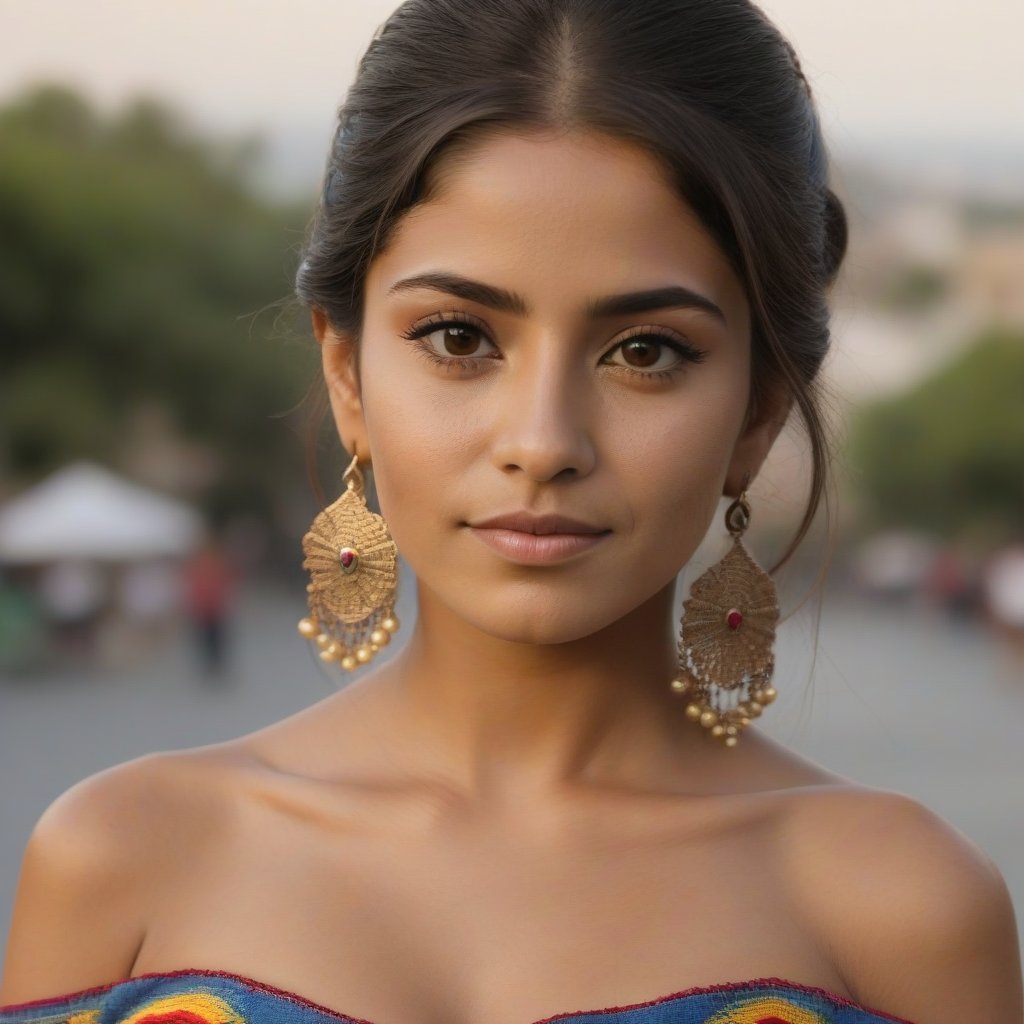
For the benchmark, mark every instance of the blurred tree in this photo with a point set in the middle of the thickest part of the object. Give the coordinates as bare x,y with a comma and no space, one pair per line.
137,264
916,289
947,456
53,112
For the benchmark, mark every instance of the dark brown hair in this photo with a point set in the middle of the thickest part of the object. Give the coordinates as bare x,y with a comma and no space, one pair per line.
708,86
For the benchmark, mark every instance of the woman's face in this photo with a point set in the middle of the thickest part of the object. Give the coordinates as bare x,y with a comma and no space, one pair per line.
551,333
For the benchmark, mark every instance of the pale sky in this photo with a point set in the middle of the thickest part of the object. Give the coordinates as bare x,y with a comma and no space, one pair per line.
900,77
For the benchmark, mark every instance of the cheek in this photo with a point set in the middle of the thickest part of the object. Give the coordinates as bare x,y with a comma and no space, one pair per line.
416,439
676,481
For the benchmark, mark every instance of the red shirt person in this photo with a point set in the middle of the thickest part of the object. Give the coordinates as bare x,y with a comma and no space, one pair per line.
208,591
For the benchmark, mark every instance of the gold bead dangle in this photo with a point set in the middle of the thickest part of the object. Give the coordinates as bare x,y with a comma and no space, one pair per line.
727,631
352,562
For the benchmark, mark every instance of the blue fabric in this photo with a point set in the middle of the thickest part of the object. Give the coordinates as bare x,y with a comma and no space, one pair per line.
201,997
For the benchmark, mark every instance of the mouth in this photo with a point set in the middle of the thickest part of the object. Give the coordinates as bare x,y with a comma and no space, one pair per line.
540,526
537,540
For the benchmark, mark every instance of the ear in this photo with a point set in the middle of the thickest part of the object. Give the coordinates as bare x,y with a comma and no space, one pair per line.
763,426
341,374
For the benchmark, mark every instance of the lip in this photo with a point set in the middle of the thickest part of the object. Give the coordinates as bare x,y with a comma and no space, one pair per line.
525,522
537,540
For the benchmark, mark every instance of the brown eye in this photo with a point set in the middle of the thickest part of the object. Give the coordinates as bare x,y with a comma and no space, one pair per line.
642,352
649,352
452,339
459,340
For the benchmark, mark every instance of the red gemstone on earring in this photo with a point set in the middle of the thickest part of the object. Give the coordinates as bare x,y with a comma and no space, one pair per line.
348,556
734,618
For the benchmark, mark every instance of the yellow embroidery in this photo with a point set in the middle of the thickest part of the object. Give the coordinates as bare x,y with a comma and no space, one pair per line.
185,1008
85,1017
766,1010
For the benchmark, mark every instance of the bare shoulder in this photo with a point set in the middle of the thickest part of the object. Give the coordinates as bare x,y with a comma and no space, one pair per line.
93,865
919,918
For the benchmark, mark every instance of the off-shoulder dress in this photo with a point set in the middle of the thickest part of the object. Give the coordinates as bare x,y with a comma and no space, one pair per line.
218,997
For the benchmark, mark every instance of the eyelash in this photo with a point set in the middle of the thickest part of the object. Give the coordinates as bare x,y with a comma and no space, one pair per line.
419,332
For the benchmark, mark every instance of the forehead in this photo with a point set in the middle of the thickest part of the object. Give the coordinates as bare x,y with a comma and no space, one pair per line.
573,214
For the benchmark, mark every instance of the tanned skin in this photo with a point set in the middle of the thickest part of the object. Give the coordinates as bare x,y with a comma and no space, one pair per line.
512,818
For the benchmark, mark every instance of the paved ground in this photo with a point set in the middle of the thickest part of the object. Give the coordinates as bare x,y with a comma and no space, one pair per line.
899,699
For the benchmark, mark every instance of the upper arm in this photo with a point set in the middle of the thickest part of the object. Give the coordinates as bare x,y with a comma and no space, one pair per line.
80,906
918,916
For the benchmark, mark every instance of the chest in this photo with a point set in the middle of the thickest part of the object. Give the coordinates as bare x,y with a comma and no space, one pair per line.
423,925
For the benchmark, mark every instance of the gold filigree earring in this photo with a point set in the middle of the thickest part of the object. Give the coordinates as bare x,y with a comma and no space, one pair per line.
352,563
727,631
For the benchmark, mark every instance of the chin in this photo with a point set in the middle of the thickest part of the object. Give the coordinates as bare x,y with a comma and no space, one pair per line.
538,632
538,616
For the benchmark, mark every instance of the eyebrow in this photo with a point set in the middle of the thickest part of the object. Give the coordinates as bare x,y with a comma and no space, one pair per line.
669,297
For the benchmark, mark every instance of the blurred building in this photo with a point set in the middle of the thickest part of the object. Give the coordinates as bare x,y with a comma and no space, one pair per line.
989,276
931,265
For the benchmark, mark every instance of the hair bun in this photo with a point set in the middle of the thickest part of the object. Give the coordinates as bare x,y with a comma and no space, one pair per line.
836,235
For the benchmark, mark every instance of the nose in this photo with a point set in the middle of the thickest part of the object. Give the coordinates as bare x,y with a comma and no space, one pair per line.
542,420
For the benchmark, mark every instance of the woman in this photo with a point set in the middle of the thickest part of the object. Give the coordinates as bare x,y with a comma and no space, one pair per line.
568,277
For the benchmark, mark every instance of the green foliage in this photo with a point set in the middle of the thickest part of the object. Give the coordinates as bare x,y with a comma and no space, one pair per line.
136,263
949,455
916,290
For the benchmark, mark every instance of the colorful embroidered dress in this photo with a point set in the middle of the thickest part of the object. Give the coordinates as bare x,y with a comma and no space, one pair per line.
215,997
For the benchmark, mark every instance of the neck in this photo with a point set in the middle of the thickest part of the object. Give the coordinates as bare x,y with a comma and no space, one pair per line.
497,717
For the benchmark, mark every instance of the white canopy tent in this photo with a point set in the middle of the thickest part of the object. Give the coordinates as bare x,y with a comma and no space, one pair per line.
87,512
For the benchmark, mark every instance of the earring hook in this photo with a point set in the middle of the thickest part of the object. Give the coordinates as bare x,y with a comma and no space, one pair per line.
737,515
352,477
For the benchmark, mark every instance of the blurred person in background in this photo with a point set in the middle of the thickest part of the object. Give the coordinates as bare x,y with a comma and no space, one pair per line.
1003,585
209,581
22,628
149,599
73,594
569,276
948,583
